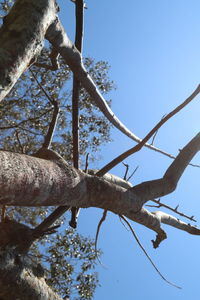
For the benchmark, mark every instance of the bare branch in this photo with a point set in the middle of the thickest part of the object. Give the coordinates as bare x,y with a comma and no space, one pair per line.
19,142
79,6
167,184
53,123
134,171
45,225
155,134
126,171
51,100
172,221
175,210
142,143
145,252
52,127
99,226
58,38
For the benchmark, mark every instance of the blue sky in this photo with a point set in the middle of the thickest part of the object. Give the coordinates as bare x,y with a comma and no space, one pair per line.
153,49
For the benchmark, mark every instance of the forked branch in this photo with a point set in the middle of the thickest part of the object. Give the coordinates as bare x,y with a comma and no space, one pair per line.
143,142
57,36
152,189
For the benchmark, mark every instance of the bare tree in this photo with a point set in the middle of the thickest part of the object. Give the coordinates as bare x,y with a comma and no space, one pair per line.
46,179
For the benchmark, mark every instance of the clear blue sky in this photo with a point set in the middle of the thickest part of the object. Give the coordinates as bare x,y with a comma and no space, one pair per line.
153,48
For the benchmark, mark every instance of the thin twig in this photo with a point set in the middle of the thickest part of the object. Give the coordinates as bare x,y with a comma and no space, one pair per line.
175,210
19,142
97,235
155,134
86,163
134,171
138,147
126,172
51,100
44,225
146,254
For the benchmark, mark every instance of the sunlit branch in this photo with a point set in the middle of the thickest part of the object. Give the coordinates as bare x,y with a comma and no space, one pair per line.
142,143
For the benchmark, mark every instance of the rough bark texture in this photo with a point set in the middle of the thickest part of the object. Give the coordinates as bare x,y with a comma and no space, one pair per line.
20,280
48,180
20,277
22,38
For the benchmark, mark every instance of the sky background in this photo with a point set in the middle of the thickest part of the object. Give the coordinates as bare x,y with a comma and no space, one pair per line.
153,49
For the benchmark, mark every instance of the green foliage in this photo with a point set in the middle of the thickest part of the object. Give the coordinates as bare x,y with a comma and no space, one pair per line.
71,257
25,115
26,111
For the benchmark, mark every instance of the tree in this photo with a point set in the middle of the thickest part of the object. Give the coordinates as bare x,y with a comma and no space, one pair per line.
48,179
23,133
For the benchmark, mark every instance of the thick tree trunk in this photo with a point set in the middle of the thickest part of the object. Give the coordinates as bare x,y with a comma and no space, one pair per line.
22,38
48,180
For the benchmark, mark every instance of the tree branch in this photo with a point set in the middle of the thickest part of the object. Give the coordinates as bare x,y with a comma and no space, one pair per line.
79,6
146,254
172,221
58,38
160,187
142,143
175,210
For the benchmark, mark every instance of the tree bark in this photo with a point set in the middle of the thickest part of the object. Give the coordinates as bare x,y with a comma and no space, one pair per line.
22,38
48,180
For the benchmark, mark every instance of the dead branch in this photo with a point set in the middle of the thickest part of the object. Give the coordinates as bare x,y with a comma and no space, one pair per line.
155,134
126,171
134,171
145,252
175,210
98,228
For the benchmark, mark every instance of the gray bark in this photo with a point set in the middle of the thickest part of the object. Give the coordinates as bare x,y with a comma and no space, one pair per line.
20,280
48,180
22,39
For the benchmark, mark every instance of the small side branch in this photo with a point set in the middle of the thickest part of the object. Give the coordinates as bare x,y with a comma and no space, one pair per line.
98,228
175,210
45,225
